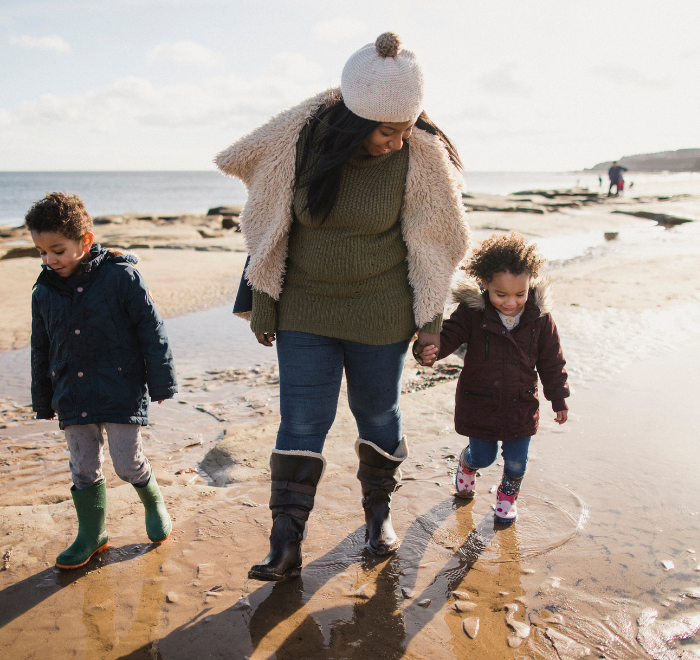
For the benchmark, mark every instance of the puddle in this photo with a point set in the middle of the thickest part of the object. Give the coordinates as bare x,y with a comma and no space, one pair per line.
213,339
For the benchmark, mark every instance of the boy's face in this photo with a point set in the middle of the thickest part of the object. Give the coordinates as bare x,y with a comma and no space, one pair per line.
62,255
508,292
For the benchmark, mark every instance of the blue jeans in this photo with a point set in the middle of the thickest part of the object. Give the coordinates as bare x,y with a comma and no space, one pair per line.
311,371
482,453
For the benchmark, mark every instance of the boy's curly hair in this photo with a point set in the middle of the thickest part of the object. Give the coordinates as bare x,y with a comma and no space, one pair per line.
507,253
60,212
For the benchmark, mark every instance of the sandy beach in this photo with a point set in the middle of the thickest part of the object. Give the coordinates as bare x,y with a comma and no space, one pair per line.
604,561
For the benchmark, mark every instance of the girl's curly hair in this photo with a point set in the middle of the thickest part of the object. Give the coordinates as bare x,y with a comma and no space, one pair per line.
507,253
60,212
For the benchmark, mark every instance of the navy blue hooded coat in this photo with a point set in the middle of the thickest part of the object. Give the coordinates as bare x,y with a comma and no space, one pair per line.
98,349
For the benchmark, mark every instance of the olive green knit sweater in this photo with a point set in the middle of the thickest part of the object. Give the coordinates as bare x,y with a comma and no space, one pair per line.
348,278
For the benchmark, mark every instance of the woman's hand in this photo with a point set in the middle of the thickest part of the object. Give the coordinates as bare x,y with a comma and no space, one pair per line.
562,416
265,338
426,348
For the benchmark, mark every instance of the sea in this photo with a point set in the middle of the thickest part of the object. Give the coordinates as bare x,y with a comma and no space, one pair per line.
178,192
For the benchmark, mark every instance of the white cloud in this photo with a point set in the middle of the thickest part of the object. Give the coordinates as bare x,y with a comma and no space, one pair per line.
215,101
187,53
627,75
339,29
52,42
502,81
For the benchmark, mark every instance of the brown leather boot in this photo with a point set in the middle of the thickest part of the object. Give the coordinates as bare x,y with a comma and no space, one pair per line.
379,476
295,475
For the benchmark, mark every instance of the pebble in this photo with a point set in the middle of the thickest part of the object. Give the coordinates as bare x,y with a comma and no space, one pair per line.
464,606
470,625
692,552
528,571
207,619
424,603
242,604
406,593
493,489
461,595
520,629
667,564
504,593
693,593
360,592
172,597
697,568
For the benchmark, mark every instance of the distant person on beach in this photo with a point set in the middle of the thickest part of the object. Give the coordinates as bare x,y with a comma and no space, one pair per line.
355,225
614,174
504,317
99,349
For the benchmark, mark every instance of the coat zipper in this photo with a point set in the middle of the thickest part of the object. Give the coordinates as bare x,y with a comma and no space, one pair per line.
532,341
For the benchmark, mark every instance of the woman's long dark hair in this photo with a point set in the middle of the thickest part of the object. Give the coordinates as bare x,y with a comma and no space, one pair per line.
334,136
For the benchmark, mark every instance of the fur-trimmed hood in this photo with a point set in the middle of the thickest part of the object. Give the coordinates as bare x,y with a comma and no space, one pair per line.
468,291
433,217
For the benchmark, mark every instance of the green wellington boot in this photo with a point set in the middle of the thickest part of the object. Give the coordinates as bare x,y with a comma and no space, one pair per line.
158,524
91,507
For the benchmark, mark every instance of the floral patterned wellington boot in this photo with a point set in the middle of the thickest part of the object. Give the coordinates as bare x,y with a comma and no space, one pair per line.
465,481
506,509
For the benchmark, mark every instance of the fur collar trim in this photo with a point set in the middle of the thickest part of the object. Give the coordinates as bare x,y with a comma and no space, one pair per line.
433,218
468,291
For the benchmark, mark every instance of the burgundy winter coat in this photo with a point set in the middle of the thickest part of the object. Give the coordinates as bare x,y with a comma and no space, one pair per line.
497,395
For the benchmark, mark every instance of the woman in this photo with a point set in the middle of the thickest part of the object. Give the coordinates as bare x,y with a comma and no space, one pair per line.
355,225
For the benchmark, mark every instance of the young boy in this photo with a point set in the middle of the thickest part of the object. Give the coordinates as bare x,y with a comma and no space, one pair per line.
99,349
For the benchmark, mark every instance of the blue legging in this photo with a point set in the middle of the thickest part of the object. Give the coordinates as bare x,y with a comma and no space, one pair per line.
482,453
311,372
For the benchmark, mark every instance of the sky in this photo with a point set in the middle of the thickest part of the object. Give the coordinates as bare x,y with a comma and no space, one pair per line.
518,85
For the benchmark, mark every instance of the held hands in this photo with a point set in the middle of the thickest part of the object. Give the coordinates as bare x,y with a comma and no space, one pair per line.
265,338
426,348
562,416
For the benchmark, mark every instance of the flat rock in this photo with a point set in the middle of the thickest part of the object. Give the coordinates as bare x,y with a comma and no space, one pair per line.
172,597
424,603
18,252
464,606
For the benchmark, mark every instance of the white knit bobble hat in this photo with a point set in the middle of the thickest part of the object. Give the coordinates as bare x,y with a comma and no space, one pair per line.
383,82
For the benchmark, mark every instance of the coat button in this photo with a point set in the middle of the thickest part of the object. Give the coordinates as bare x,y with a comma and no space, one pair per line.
119,368
83,414
515,401
79,289
503,332
77,332
515,435
80,374
484,325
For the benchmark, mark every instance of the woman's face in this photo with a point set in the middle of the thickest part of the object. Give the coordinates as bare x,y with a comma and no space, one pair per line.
387,137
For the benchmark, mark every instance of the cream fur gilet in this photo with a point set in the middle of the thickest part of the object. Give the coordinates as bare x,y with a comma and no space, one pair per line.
433,217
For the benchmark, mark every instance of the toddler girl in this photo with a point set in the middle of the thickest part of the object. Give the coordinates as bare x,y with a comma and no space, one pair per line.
504,319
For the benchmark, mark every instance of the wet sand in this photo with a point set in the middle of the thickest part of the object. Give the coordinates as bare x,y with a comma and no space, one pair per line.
608,497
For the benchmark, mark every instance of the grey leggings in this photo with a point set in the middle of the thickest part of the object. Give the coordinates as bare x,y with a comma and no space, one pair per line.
86,443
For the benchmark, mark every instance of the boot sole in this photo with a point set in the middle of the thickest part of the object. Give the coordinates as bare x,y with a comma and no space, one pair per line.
463,495
271,577
383,549
504,521
100,549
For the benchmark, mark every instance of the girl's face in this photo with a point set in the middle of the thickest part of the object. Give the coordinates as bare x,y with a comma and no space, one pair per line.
508,292
62,255
387,137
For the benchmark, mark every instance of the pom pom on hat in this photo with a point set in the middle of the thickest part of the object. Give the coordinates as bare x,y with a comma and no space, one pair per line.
388,44
383,81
